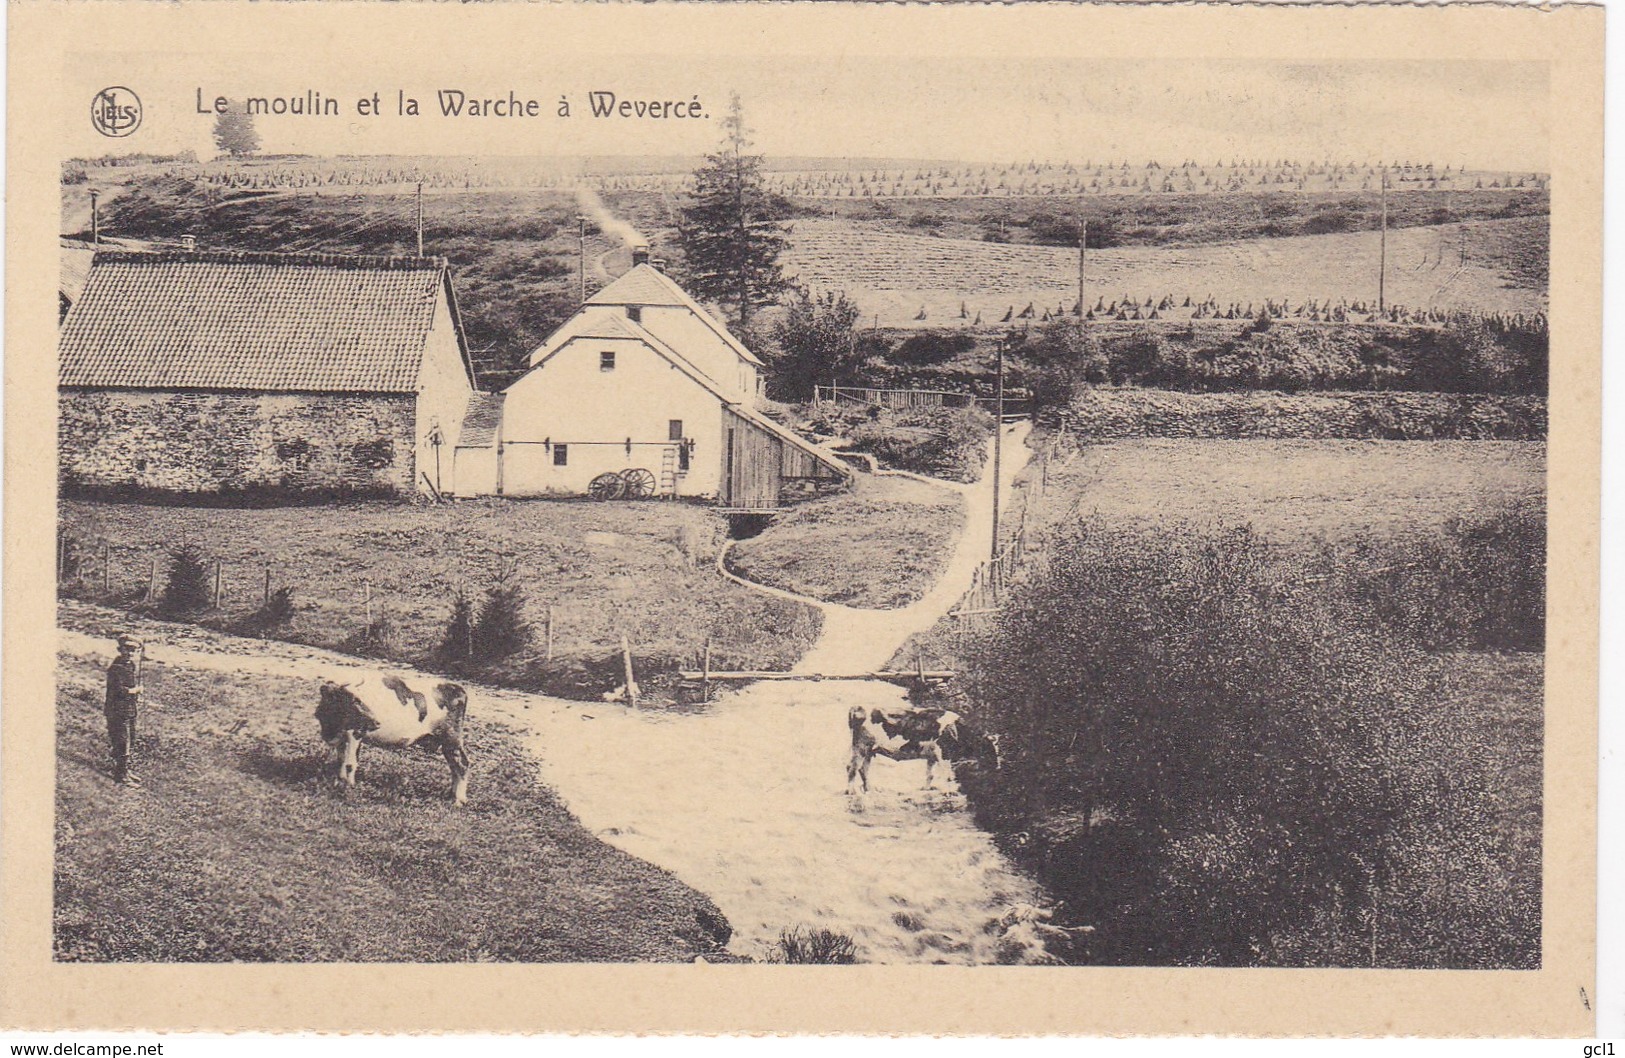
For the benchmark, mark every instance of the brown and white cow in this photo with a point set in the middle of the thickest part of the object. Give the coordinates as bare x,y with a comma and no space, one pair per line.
390,710
909,733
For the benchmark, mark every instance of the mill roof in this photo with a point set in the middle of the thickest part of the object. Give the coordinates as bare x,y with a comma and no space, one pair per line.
254,321
644,284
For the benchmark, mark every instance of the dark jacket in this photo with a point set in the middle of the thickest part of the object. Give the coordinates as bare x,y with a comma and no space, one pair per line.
123,688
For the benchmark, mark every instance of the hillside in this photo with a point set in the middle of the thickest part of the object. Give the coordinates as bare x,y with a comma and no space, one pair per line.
514,252
1486,266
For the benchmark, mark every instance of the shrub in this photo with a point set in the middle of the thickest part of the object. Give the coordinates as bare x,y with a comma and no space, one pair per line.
1217,757
822,946
500,629
947,442
458,642
187,588
932,347
1479,585
377,640
276,611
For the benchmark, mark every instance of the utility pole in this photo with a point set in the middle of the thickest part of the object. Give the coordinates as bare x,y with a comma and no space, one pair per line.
581,252
1382,266
998,448
1083,241
420,218
95,220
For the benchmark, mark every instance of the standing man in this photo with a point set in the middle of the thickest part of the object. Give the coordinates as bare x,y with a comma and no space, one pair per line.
123,695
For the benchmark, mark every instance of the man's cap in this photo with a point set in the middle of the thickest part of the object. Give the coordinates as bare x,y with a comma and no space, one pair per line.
129,642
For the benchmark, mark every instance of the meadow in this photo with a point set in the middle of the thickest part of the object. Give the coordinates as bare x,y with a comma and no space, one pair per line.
1480,265
237,848
600,570
879,546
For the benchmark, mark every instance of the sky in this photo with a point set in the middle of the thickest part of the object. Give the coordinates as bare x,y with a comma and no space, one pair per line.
1481,114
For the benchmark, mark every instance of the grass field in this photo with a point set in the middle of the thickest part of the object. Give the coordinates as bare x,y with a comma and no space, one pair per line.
879,546
1294,491
238,849
644,570
893,274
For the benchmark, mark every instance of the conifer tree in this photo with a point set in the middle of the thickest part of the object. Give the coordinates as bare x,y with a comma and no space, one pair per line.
730,230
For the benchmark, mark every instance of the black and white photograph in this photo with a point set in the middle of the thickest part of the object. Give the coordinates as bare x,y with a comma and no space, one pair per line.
817,507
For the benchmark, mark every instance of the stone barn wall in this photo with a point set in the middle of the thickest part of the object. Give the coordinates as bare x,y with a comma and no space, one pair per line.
203,442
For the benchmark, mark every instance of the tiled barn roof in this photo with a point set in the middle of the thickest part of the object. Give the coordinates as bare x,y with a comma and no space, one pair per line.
255,321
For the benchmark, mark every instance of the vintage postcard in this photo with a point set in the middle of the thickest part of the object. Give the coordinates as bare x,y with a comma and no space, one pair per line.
953,518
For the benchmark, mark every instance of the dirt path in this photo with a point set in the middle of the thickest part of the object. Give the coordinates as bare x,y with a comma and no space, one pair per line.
745,801
856,640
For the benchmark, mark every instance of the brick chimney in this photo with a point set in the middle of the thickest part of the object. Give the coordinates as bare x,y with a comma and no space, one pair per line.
658,263
188,243
640,255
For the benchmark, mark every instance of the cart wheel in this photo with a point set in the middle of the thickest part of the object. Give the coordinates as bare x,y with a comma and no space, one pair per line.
606,487
637,483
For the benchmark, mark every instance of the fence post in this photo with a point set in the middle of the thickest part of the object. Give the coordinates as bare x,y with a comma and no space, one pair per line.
705,673
368,585
152,580
217,571
626,662
550,633
266,596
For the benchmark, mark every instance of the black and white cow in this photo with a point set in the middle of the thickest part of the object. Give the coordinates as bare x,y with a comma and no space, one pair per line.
389,710
907,733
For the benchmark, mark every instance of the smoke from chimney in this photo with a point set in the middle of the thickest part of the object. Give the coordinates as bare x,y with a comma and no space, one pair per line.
607,222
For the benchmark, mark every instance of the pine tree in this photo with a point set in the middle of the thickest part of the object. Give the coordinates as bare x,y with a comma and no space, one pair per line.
459,638
234,132
730,231
187,588
501,630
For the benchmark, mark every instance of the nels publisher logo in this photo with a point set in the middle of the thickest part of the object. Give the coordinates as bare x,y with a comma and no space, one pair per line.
115,111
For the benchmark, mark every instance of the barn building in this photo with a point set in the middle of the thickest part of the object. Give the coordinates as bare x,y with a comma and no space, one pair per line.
642,383
215,372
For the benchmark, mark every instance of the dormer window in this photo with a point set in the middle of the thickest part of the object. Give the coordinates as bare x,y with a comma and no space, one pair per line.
606,360
634,313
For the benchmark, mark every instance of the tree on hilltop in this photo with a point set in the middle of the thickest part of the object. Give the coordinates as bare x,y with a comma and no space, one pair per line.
730,231
234,133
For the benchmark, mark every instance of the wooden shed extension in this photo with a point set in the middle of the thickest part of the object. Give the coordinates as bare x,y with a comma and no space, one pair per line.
759,456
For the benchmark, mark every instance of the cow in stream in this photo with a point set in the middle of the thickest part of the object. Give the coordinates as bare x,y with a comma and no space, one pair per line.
908,733
397,711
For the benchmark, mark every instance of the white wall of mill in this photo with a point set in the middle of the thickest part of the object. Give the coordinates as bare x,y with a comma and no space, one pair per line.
569,400
694,339
443,392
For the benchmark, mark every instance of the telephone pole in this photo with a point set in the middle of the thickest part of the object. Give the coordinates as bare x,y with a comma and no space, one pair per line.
581,252
998,447
1083,241
1382,265
95,220
420,218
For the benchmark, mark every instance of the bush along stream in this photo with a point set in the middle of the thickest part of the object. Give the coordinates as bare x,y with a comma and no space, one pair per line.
1220,751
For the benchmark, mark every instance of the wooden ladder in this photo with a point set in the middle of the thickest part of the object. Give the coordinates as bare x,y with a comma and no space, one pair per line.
668,470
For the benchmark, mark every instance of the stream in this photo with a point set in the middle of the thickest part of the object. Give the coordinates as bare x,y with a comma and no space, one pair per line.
745,801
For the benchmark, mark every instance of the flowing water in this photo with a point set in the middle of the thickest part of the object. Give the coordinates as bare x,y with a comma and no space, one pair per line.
746,800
